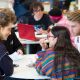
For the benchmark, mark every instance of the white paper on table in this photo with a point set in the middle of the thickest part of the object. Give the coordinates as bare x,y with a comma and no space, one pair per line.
31,59
15,56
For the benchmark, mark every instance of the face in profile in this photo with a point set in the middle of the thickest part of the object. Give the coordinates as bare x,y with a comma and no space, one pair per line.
75,28
5,31
52,40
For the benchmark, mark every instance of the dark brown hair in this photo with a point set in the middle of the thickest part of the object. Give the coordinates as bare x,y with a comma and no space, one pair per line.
65,47
35,5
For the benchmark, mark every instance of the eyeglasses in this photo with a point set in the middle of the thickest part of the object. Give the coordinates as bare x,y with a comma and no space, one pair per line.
37,10
50,36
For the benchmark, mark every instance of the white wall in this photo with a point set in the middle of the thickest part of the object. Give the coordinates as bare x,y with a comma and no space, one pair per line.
7,4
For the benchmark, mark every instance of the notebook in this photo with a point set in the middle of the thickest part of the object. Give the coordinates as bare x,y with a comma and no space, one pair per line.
26,31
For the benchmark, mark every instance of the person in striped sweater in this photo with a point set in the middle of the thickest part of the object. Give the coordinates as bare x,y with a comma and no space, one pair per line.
59,59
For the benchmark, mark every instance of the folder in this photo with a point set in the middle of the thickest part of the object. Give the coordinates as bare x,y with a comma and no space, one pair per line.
26,31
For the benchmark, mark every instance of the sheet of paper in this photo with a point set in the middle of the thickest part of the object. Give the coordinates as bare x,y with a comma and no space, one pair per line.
15,56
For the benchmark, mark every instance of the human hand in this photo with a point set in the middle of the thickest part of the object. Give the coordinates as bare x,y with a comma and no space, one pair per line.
43,31
43,43
19,51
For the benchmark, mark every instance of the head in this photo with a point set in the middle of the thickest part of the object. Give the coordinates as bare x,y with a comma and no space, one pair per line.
63,37
37,8
55,14
74,20
7,19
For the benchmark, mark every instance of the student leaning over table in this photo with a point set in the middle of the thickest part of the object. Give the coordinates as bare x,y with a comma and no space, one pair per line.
7,19
61,59
13,44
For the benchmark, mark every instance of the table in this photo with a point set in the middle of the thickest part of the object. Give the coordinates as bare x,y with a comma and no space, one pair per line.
24,71
29,42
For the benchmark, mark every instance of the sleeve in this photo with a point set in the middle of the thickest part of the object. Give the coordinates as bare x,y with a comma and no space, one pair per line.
16,43
40,53
46,65
39,60
47,22
6,65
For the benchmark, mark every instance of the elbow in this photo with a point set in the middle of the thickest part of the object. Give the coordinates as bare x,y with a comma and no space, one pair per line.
9,73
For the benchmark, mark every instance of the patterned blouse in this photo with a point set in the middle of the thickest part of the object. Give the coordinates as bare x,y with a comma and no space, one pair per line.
61,70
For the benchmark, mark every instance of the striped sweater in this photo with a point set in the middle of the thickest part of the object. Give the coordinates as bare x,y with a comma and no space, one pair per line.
46,65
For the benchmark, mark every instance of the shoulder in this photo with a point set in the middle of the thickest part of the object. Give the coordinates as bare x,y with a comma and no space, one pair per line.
39,53
50,52
45,15
12,36
31,19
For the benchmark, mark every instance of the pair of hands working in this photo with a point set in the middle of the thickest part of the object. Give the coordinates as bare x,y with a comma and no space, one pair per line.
19,51
41,31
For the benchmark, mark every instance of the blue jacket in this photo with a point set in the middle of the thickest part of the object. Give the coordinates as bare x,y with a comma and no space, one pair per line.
19,8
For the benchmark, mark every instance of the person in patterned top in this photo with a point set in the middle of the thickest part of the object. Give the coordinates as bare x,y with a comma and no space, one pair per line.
59,59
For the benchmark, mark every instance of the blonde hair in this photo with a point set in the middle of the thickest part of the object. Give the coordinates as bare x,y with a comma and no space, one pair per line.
74,16
6,17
